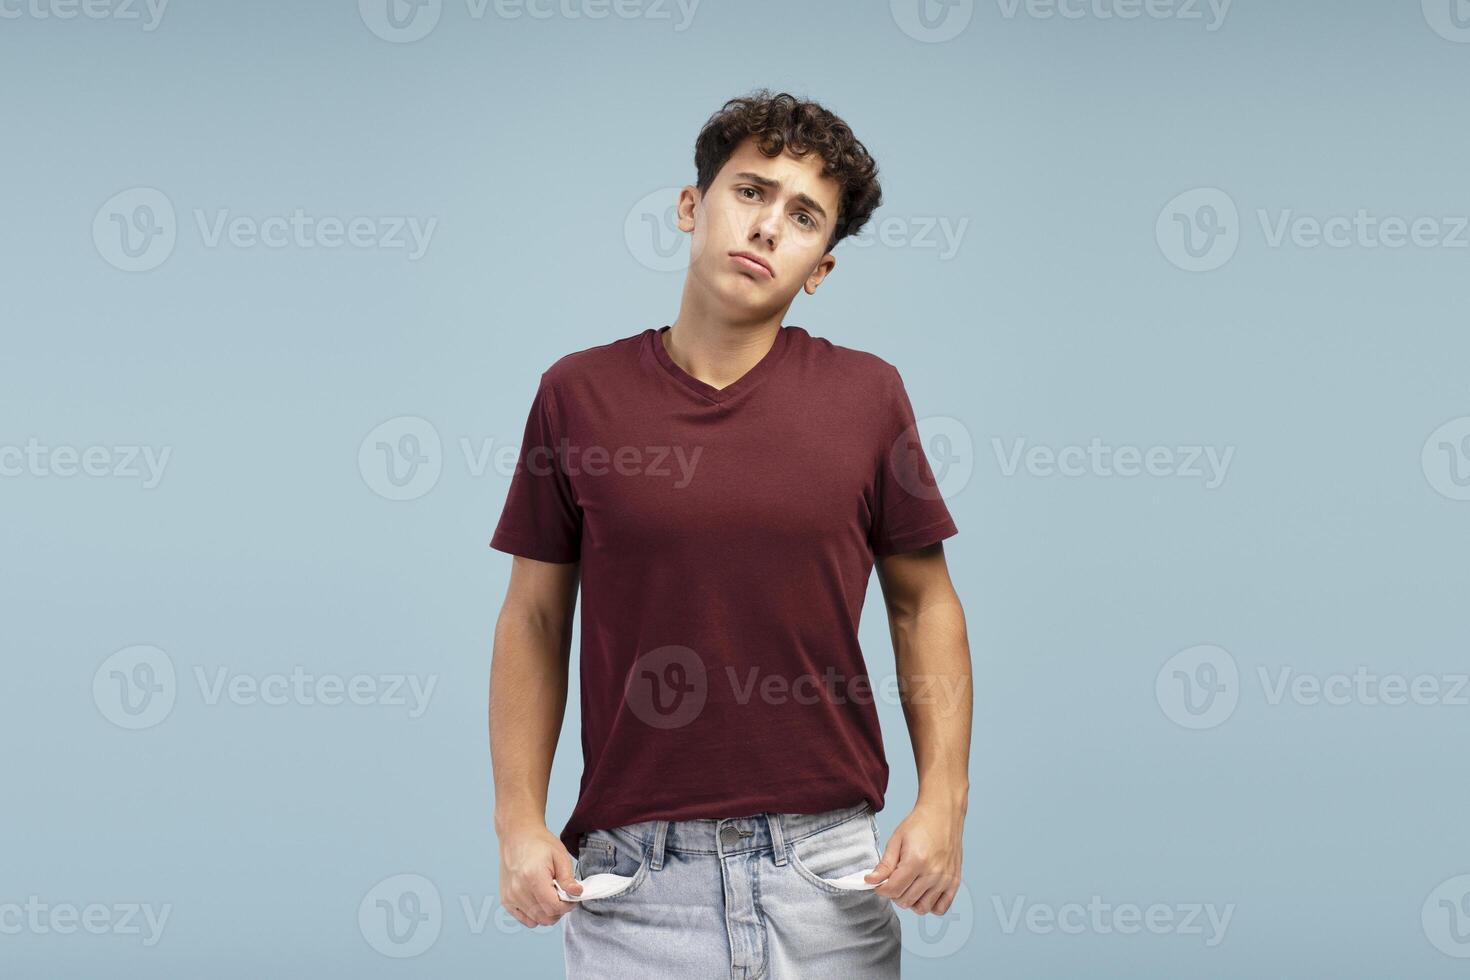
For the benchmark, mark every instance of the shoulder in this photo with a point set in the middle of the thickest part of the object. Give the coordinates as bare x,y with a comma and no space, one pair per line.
592,364
848,364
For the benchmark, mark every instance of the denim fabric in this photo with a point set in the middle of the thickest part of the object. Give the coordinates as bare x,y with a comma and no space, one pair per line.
763,897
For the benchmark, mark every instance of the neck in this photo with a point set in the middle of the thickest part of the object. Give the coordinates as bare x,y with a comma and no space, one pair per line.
718,351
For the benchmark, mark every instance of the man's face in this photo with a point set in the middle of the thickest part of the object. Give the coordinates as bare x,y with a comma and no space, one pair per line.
778,210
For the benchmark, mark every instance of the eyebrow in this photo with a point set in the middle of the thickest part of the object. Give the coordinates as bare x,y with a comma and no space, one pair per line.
775,185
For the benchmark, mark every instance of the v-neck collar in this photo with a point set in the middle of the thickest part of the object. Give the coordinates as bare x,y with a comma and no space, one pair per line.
745,382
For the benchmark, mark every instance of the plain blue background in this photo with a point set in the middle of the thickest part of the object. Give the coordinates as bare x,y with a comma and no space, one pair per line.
1336,540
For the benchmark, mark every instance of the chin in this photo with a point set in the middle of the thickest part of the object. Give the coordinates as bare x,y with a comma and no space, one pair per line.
734,295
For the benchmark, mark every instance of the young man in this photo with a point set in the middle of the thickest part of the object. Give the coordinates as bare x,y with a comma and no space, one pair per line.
721,488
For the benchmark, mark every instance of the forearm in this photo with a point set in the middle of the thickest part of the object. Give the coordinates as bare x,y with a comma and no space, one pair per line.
932,653
528,694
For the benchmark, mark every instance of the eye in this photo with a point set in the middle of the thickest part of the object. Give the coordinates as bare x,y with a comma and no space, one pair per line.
810,221
747,187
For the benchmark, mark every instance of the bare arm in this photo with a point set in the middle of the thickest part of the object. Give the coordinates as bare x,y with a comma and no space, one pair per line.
528,697
932,651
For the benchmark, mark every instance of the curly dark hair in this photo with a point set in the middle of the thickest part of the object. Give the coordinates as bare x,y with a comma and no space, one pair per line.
783,122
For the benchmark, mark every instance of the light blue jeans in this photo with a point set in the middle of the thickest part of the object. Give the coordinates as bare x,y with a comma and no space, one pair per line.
764,897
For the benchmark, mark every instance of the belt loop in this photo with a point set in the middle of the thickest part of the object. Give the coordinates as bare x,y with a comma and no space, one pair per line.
660,831
778,839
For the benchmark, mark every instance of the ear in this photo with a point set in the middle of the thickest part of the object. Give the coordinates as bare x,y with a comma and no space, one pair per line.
688,201
824,268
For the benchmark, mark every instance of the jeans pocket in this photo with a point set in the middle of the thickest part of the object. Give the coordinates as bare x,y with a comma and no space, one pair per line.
835,860
609,866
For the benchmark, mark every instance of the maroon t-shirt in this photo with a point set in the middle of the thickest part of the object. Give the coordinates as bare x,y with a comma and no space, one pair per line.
726,537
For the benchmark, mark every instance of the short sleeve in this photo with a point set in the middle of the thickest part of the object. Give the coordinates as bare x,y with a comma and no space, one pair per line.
541,519
910,511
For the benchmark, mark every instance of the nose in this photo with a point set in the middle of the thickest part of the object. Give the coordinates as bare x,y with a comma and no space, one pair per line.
768,225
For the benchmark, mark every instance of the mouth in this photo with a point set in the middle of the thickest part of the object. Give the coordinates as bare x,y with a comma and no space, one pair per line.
751,263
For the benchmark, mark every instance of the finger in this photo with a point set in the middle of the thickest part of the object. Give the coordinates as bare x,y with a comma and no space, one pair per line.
899,880
914,893
551,907
529,906
563,873
543,916
886,868
927,901
886,864
552,899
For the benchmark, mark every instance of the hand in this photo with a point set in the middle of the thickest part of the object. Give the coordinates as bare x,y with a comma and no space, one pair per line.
532,861
922,860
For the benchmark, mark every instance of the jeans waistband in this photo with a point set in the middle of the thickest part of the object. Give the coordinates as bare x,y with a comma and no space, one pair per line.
735,835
